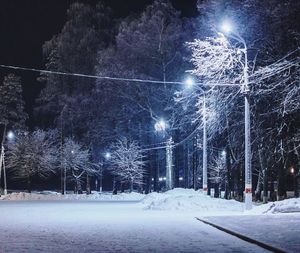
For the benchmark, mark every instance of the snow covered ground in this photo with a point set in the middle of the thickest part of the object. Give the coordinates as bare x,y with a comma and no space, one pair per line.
284,206
101,226
278,230
178,199
188,200
49,195
158,222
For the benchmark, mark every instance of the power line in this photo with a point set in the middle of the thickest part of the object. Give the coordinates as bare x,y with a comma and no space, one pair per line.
136,80
122,79
88,76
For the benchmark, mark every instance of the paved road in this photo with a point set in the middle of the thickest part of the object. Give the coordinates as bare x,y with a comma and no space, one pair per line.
81,226
279,230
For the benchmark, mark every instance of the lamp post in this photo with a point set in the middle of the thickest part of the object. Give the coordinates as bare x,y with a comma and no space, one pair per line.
227,29
189,83
10,136
204,119
160,127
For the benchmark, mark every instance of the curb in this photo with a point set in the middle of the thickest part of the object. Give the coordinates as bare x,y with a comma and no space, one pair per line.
243,237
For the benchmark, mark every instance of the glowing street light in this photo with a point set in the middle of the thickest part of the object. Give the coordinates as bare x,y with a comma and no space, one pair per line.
107,155
292,170
189,82
160,126
227,28
223,153
10,135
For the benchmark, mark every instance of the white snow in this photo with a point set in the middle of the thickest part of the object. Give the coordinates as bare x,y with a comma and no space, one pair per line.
133,222
189,200
48,195
279,230
178,199
119,226
284,206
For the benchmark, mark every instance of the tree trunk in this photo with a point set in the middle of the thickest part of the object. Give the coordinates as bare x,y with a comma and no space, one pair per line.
115,190
131,185
122,187
258,186
228,183
272,191
77,187
265,186
281,183
260,178
29,184
217,187
88,185
296,185
100,183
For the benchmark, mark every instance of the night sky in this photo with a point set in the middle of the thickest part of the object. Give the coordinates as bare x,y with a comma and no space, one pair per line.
25,26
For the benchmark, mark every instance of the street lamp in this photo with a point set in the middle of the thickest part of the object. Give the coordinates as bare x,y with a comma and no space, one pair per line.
227,29
160,126
223,153
189,83
10,136
107,155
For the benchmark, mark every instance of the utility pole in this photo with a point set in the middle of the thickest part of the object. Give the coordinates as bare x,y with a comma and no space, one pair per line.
248,171
246,91
169,160
204,148
2,162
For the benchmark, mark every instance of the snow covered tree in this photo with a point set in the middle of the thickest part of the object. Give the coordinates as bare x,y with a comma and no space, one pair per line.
274,116
218,173
76,162
33,155
127,162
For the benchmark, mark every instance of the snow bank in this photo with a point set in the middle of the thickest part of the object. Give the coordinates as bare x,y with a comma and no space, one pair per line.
190,200
48,195
284,206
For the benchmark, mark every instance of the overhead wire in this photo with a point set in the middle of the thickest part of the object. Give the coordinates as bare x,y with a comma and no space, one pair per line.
137,80
121,79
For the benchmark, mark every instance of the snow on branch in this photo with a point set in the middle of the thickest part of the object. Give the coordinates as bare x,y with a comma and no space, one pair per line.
215,59
127,161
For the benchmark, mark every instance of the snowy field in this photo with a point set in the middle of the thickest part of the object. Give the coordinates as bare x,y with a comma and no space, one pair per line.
159,222
49,195
92,226
178,199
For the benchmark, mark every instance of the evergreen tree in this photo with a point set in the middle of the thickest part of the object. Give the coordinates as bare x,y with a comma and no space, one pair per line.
12,110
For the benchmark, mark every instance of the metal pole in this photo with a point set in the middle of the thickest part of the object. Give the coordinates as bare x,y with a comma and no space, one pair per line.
4,172
169,158
65,180
248,172
2,160
204,147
